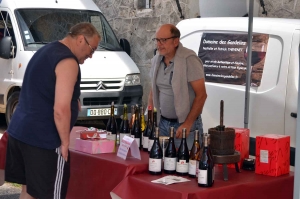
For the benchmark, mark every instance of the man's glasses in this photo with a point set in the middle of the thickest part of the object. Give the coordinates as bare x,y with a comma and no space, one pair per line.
162,40
92,49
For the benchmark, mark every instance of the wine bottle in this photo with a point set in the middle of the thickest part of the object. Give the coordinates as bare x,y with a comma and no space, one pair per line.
142,125
212,159
136,129
205,174
124,128
155,157
152,134
112,124
194,154
182,166
147,130
170,155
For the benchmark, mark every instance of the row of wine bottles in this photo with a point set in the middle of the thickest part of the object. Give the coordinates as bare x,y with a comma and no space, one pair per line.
136,127
198,163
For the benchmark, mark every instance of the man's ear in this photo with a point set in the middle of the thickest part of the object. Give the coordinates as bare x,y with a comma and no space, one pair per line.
79,39
176,41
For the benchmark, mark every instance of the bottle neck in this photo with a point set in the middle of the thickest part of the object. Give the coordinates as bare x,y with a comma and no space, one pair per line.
156,134
205,142
183,135
196,136
154,119
136,114
172,133
125,116
149,116
142,117
112,110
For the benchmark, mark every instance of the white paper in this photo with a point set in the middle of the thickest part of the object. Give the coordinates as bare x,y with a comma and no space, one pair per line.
264,156
170,180
128,143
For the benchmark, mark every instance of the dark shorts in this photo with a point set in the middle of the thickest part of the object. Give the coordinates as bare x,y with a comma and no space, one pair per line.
45,173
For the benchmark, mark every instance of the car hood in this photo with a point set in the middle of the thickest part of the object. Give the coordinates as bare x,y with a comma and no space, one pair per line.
108,64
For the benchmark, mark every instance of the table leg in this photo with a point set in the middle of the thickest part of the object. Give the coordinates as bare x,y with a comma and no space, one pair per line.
237,168
225,172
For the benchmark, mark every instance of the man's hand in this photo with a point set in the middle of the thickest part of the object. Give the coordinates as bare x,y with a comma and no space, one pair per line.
179,130
64,151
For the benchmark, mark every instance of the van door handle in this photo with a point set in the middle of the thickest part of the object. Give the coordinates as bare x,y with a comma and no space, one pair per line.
294,115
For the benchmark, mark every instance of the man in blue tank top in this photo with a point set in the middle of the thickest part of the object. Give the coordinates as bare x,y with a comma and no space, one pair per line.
37,151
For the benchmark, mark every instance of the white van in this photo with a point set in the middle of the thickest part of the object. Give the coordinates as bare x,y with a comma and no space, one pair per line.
26,26
221,44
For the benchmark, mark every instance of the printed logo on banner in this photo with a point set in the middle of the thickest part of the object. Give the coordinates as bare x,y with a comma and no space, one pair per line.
224,57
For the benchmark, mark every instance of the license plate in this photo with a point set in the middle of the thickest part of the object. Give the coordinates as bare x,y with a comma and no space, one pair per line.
100,112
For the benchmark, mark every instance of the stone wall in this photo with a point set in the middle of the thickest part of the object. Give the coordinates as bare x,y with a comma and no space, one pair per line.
281,9
138,26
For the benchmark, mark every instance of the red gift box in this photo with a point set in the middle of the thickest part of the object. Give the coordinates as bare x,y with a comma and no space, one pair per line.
84,135
272,154
241,144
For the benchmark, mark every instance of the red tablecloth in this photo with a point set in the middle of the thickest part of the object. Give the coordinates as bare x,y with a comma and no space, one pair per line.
95,176
3,144
245,185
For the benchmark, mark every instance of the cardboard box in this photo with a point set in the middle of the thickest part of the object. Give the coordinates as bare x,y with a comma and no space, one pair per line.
241,144
272,154
95,146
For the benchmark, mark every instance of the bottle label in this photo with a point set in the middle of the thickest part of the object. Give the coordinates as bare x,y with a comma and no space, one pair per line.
150,143
145,142
202,176
138,141
192,167
154,165
197,166
182,166
170,164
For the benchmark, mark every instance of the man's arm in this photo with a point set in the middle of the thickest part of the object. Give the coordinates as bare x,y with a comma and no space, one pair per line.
66,76
197,106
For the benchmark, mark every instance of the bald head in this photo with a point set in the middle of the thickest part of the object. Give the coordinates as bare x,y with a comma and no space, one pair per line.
169,28
167,40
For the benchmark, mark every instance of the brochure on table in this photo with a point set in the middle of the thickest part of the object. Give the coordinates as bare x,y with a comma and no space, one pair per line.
128,143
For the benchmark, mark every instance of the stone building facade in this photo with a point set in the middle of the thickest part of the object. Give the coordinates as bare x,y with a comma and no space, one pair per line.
138,25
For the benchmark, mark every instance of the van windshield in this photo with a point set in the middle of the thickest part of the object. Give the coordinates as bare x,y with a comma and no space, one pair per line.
41,26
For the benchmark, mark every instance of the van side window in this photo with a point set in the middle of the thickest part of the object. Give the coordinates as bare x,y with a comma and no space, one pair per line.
6,28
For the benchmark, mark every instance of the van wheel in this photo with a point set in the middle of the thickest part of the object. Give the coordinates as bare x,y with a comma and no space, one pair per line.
11,106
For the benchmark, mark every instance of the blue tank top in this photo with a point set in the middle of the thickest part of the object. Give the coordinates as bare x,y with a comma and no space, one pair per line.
33,121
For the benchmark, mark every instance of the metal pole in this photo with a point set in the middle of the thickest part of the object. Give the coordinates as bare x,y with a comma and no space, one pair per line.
248,73
297,156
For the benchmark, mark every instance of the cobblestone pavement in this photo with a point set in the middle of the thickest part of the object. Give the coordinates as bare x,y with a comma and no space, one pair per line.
8,191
